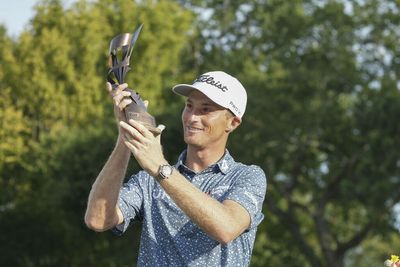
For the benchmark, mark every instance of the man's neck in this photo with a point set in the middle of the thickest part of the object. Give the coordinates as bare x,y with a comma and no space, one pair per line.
199,159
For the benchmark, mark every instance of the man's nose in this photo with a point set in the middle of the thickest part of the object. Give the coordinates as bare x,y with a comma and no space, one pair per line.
192,115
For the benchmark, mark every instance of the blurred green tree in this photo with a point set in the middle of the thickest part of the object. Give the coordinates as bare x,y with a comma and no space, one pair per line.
322,79
58,127
14,130
322,120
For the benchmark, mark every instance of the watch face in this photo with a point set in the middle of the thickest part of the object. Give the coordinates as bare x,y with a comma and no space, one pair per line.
165,171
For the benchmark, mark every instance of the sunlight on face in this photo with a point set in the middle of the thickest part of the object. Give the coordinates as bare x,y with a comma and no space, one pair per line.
204,122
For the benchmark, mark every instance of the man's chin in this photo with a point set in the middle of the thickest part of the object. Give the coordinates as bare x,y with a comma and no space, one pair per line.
189,140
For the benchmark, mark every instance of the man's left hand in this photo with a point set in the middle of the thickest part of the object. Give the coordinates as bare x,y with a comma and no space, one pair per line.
145,147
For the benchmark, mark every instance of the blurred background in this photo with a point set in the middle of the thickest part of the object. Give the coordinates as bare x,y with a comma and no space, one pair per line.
322,120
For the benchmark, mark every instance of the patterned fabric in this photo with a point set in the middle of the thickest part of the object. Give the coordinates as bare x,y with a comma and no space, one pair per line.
170,238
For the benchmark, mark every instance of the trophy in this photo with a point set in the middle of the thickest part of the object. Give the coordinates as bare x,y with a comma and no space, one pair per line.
120,51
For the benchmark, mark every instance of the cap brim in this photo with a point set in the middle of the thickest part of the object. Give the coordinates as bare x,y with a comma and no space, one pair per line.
183,89
186,89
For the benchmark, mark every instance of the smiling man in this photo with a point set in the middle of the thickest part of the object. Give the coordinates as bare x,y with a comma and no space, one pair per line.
202,211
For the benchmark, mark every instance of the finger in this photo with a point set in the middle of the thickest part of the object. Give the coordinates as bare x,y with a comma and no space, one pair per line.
119,88
140,128
115,89
131,131
129,138
109,87
120,96
131,147
126,93
131,143
124,103
161,127
126,127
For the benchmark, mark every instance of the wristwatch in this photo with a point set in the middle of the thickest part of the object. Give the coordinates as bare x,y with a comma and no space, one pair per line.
164,171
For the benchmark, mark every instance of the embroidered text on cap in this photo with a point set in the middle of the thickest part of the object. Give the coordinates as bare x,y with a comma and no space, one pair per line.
205,78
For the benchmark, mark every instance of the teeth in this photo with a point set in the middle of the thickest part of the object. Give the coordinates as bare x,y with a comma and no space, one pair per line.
193,128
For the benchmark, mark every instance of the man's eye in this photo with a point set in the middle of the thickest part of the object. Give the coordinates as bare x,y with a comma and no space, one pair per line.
206,110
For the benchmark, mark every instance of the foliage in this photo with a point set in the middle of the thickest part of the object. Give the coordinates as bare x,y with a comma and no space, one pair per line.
322,121
58,128
323,97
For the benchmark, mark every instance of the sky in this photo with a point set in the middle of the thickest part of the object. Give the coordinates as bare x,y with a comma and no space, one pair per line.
15,14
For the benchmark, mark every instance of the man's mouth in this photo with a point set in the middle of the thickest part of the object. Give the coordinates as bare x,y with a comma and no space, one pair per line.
193,129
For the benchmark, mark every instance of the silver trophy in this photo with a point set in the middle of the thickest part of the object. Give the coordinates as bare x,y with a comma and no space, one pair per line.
120,51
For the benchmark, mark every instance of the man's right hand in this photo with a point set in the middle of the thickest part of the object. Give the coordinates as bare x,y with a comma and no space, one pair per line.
120,99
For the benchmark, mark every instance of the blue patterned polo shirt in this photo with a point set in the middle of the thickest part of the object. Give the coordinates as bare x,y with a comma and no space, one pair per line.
170,238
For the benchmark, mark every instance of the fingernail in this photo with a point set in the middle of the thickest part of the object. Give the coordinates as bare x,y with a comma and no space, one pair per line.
161,127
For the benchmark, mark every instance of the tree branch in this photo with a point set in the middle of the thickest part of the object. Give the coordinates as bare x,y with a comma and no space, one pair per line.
354,241
288,218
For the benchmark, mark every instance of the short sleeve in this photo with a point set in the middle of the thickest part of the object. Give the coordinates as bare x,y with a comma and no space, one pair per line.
249,191
130,201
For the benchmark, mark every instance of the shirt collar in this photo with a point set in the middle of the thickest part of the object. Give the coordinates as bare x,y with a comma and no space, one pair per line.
223,165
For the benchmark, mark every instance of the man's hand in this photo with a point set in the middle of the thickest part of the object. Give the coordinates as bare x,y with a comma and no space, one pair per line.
146,148
120,99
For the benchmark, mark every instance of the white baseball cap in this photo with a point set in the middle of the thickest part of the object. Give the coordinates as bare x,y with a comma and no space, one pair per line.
222,88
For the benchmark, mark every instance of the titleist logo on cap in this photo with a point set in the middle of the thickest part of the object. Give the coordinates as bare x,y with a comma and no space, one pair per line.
210,80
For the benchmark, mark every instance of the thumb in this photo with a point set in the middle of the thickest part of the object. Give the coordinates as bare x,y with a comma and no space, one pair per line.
160,127
109,87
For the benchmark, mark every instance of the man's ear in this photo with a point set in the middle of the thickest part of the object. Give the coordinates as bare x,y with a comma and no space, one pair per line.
234,122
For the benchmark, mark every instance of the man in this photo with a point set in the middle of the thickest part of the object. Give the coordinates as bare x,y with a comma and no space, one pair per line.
204,210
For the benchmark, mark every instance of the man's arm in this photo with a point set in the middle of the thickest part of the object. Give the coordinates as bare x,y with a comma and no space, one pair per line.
222,221
102,211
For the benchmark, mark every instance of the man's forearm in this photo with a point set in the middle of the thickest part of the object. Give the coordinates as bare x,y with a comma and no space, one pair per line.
222,221
101,213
